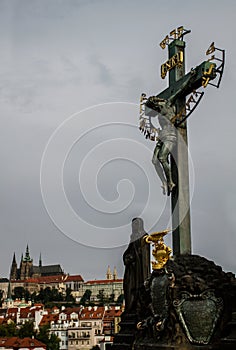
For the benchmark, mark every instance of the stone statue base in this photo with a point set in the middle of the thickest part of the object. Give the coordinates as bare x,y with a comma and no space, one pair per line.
197,312
126,337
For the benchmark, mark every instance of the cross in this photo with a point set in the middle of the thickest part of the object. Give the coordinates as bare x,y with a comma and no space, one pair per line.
181,85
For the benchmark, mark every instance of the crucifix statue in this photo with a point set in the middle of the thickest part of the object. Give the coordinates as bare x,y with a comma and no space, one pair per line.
172,109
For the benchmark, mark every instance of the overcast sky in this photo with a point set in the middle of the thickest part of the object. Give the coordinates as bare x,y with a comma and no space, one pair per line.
75,169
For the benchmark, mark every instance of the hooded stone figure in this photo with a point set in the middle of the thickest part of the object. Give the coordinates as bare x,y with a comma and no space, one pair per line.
137,266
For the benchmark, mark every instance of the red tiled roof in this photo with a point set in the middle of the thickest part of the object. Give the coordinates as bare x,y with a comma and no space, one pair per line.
27,313
75,278
10,341
15,342
38,305
111,313
88,314
2,340
45,279
29,343
11,314
52,279
12,310
104,281
47,319
70,310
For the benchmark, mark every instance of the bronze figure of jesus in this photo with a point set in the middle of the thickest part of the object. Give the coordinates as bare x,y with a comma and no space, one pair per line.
166,112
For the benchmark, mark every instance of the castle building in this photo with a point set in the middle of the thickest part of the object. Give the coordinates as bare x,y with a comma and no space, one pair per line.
28,270
111,286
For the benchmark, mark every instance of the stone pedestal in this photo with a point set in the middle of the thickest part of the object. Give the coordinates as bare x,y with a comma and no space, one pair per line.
125,338
201,307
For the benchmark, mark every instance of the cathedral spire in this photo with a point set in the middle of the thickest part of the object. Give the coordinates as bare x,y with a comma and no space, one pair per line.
21,259
109,274
114,274
13,272
40,260
27,252
8,301
27,255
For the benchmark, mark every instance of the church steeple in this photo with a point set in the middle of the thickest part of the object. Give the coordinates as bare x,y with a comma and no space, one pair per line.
40,260
27,255
114,274
109,274
13,272
26,265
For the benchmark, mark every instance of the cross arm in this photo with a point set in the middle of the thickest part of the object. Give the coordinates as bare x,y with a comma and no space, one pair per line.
184,86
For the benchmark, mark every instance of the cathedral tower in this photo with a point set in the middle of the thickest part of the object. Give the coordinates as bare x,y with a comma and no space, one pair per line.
115,274
13,272
26,265
109,274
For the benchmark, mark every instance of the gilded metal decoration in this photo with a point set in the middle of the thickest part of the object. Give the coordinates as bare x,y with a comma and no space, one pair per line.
175,61
177,33
160,252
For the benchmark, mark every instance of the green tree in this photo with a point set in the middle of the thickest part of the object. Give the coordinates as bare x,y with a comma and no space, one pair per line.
44,295
47,295
51,340
69,297
34,296
18,293
8,329
53,343
86,297
56,295
43,334
111,298
101,297
26,330
21,293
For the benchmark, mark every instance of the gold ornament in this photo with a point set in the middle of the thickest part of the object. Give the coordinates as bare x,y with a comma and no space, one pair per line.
160,252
